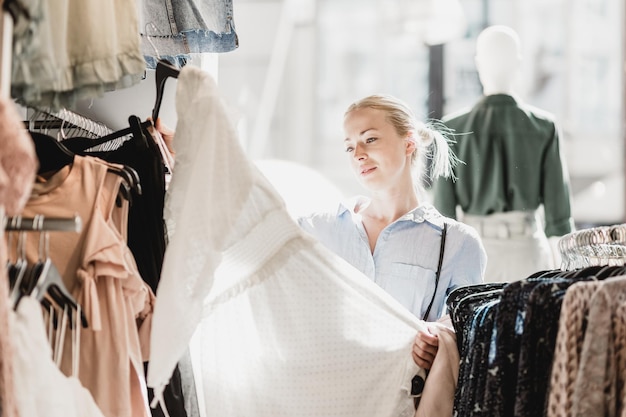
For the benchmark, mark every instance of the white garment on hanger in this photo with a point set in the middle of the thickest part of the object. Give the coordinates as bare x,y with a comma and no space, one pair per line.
42,390
286,327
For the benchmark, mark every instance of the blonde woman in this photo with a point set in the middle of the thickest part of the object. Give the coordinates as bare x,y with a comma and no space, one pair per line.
397,240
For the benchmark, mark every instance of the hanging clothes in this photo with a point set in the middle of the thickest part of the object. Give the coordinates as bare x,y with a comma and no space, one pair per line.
68,50
173,30
146,230
276,318
99,270
550,344
42,389
586,379
18,166
146,227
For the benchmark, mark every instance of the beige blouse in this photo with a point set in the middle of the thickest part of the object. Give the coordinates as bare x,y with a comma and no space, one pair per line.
100,271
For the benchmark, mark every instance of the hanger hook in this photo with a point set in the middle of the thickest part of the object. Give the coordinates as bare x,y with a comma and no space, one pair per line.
38,225
156,51
10,234
62,134
46,240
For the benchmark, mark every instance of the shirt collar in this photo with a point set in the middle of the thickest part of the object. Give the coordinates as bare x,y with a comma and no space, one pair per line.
422,213
500,99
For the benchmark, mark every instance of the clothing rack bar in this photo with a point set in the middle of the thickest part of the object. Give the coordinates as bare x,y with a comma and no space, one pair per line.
45,124
42,223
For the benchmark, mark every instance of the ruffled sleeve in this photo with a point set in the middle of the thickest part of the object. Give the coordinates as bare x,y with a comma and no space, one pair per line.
211,171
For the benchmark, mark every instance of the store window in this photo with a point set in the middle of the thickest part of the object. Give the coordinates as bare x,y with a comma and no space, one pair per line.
301,62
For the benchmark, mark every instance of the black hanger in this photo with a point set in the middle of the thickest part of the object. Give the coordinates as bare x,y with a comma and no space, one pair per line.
134,178
51,153
16,272
164,70
130,183
53,313
136,128
124,191
47,280
29,281
130,177
60,295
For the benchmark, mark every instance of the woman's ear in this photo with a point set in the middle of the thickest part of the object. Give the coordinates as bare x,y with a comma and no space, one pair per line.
411,146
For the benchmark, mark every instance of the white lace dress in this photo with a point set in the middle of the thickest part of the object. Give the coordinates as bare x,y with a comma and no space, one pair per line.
283,327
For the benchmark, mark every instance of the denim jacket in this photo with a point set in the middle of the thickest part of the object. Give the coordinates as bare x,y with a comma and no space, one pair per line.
173,29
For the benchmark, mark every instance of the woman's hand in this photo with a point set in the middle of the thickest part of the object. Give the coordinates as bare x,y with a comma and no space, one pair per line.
425,348
167,133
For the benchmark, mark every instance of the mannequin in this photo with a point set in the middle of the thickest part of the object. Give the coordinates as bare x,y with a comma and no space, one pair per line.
513,186
498,59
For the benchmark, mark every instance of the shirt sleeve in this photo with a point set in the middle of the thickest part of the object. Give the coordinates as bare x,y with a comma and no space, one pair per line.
470,261
556,194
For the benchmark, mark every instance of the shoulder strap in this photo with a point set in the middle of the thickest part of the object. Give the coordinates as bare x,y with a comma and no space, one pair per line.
441,250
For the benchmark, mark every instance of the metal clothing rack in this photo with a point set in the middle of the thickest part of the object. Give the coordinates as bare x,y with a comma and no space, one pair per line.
65,124
42,223
47,284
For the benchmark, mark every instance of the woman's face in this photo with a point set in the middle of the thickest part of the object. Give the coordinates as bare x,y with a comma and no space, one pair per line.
379,157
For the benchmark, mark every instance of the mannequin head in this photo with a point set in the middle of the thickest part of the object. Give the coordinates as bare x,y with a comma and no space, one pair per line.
498,59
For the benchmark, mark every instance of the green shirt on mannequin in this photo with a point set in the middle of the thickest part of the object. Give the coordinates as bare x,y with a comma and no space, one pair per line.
511,162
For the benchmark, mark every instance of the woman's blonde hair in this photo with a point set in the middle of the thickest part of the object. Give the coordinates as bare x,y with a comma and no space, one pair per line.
431,144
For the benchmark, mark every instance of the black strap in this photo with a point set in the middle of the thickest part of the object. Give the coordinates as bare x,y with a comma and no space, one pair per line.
417,384
441,250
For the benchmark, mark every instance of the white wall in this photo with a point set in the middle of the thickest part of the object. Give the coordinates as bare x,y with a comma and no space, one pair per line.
114,108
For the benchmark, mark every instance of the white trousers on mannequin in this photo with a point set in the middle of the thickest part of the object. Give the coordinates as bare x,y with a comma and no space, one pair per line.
515,243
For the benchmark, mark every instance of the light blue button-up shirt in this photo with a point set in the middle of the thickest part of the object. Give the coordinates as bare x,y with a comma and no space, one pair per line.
406,255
